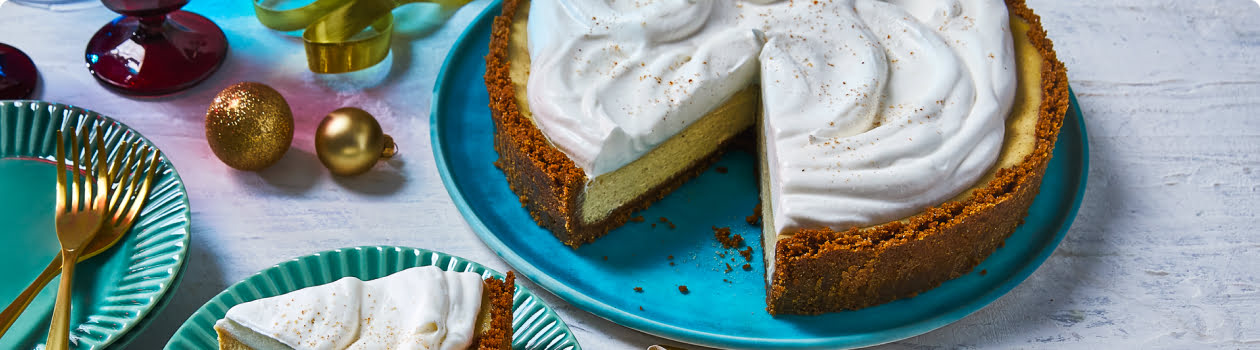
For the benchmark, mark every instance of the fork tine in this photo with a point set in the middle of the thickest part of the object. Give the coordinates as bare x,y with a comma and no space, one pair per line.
151,175
154,163
89,155
74,171
102,186
83,168
61,172
138,195
124,155
139,185
125,185
124,160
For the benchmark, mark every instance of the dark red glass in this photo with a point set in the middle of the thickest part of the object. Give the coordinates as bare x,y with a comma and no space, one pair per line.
17,74
155,48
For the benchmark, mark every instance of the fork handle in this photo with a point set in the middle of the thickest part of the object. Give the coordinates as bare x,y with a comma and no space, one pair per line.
59,331
15,308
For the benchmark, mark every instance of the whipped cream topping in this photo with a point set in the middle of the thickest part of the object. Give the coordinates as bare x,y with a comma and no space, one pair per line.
611,80
873,110
417,308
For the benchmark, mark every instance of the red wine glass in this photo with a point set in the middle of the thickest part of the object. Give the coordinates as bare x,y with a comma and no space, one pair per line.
17,74
155,48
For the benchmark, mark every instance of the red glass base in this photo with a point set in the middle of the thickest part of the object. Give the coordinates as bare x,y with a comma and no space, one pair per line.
156,55
17,74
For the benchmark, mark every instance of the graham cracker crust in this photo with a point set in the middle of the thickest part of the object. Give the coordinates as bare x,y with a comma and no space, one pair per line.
499,335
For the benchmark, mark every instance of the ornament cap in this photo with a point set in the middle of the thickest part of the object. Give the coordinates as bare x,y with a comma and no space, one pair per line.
390,148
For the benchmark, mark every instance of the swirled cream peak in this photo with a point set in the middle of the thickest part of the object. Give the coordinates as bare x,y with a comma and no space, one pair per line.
417,308
873,110
611,80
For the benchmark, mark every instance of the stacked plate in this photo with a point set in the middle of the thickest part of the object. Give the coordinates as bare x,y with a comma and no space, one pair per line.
117,292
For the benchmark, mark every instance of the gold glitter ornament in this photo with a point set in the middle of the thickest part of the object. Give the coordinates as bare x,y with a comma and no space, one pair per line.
249,126
349,141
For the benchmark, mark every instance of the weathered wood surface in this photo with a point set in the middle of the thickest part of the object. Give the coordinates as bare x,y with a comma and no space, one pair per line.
1164,252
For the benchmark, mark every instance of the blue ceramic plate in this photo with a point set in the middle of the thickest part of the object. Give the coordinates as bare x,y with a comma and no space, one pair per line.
114,291
723,309
534,325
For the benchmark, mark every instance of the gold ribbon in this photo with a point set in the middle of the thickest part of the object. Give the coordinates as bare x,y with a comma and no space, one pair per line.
341,35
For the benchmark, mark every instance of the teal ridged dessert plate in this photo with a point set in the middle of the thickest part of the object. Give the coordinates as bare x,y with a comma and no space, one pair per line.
534,325
114,292
633,275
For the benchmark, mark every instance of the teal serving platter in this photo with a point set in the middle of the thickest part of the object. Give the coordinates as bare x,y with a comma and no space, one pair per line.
534,324
114,292
721,309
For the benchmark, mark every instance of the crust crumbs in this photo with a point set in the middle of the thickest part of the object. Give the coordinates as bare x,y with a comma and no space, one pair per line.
724,236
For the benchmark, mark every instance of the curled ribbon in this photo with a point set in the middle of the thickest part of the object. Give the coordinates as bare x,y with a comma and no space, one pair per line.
341,35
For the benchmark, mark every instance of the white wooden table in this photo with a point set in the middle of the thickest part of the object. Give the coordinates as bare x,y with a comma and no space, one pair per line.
1164,253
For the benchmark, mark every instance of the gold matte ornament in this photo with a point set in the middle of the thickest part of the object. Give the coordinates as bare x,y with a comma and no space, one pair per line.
249,126
349,141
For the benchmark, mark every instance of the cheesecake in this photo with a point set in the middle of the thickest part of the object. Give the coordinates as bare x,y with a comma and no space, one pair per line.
899,143
417,308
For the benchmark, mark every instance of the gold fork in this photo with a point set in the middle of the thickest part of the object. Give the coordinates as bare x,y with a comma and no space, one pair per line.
124,203
77,221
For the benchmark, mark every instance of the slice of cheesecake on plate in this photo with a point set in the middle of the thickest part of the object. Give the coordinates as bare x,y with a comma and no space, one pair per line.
417,308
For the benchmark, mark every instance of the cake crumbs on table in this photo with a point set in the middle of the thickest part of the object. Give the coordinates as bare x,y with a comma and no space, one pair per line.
683,289
671,257
747,267
605,258
756,215
671,263
640,308
664,220
722,170
638,289
723,235
747,253
637,218
984,272
728,268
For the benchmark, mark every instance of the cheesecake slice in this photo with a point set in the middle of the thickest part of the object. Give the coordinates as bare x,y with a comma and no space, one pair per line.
416,308
579,204
813,270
